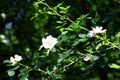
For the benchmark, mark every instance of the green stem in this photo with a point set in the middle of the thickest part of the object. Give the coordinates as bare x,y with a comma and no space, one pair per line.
72,63
110,43
30,69
57,12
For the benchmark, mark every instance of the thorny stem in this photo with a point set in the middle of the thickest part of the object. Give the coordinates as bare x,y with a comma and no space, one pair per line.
64,17
30,69
72,63
68,65
33,68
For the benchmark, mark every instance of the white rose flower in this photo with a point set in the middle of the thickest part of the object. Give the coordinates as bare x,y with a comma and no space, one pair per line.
91,33
99,29
18,58
48,42
12,60
95,31
15,59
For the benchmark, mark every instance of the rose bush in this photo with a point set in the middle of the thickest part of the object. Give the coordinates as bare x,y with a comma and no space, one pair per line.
60,44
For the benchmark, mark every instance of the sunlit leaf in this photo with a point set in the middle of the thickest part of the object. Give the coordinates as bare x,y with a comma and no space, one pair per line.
115,66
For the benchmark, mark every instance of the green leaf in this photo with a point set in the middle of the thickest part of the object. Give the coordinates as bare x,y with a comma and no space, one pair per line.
60,4
24,77
61,29
15,68
49,12
24,73
94,57
64,55
82,17
64,33
69,29
83,36
76,25
115,66
64,12
11,73
59,22
62,18
6,61
77,41
64,9
98,46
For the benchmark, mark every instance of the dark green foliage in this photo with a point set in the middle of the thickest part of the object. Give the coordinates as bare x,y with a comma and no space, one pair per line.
25,22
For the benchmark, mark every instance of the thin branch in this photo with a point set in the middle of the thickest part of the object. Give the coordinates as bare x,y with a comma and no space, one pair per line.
72,63
40,70
56,12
